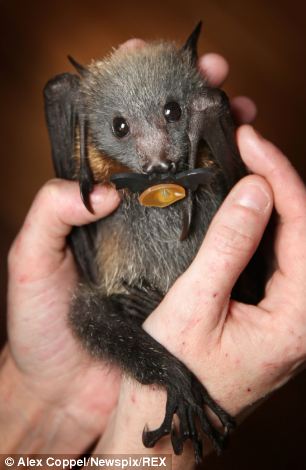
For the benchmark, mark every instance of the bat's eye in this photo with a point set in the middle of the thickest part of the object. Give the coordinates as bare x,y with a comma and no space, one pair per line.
172,111
120,127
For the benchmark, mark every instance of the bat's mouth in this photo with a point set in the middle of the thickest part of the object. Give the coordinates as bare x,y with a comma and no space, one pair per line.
164,189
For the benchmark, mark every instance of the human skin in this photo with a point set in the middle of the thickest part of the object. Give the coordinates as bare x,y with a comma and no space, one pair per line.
240,352
53,398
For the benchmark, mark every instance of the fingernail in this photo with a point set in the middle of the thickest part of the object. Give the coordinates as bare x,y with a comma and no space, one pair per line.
253,197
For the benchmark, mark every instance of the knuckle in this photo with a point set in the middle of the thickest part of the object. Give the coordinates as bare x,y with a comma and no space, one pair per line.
12,256
46,196
50,197
50,190
15,256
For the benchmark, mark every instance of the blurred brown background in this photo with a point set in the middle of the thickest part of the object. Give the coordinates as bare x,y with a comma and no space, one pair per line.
265,45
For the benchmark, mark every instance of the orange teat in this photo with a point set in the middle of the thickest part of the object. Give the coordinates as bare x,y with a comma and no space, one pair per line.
162,195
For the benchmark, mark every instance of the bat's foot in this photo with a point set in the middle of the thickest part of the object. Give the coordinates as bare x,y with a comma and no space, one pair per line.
189,406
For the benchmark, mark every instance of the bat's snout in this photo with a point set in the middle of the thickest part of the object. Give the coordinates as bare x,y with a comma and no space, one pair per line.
160,166
154,152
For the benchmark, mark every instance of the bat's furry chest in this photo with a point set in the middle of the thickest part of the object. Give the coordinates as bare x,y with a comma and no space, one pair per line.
139,244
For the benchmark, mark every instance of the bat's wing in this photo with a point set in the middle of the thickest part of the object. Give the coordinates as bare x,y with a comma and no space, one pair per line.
211,121
62,104
61,95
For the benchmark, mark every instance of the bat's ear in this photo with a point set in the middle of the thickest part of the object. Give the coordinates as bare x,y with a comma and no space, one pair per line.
192,42
83,71
85,177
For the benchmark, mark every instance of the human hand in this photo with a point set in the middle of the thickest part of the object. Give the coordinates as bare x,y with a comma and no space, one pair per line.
72,395
43,356
246,351
240,352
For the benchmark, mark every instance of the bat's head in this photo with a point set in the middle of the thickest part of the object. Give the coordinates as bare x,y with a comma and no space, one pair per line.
149,111
137,106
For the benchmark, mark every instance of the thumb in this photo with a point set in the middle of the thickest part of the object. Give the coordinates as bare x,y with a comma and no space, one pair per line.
200,296
40,246
231,240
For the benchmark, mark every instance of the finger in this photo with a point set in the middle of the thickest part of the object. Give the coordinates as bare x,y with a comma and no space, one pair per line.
244,109
232,238
134,43
263,158
56,208
213,67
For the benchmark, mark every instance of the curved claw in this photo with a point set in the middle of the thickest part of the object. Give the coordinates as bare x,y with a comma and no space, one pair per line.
177,442
194,436
198,450
227,421
149,438
229,425
189,405
216,437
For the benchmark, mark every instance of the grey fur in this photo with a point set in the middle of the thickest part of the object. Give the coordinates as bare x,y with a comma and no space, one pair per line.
136,85
147,242
137,250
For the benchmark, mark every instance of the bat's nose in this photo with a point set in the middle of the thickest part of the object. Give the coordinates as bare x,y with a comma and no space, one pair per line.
159,167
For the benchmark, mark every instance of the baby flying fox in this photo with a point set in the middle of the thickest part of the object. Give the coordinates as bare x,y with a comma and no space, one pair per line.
148,122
